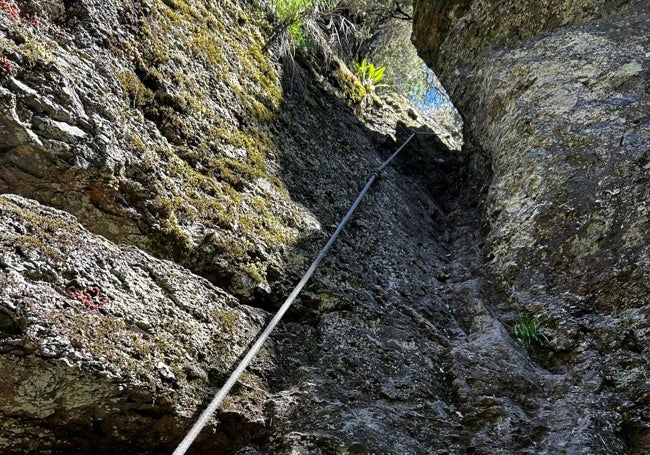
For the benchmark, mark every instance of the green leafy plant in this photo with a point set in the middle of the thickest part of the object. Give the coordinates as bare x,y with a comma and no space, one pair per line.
289,11
295,31
369,75
290,15
527,329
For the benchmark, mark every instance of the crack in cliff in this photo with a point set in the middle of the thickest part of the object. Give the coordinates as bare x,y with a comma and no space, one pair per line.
413,244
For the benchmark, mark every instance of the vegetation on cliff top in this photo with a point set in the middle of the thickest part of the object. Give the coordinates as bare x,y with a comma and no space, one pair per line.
358,30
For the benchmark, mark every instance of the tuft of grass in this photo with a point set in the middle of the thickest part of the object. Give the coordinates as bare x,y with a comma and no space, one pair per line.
527,329
291,15
299,24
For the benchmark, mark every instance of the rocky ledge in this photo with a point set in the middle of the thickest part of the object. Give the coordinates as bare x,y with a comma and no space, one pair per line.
99,342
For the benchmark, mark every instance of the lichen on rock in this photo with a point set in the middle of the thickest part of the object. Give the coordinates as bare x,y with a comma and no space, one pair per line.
168,132
137,133
186,172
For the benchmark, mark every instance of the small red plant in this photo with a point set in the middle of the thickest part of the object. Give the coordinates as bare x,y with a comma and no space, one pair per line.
33,20
91,297
9,7
6,66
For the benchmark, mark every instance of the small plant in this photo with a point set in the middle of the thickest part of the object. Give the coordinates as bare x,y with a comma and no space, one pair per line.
289,11
33,20
6,66
369,75
527,330
295,31
292,15
91,297
49,10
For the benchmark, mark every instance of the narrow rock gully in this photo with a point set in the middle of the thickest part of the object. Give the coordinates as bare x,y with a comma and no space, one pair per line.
396,345
379,353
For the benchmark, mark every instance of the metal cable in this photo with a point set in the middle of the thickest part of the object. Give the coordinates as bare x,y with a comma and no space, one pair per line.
221,394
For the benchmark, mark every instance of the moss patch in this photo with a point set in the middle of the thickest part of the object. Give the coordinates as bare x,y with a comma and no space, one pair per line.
215,110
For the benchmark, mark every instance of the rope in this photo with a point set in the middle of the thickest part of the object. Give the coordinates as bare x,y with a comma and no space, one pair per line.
221,394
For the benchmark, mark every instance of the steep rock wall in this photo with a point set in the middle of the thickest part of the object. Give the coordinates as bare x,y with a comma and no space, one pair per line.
150,121
556,96
166,127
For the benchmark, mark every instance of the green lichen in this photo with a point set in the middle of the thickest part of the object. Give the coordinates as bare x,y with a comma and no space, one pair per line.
226,320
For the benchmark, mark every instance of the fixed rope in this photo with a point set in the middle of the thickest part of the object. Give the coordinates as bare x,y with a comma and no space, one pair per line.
205,416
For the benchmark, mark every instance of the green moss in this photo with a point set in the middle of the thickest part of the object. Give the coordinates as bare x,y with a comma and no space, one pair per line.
355,93
170,241
206,47
253,390
351,88
136,143
30,243
184,8
225,319
50,226
195,181
134,354
137,94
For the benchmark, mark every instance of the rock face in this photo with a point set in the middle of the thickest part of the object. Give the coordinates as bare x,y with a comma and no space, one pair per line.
135,133
117,115
556,100
99,341
166,181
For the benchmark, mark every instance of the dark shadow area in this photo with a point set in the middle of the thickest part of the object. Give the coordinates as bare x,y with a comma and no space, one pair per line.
329,156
